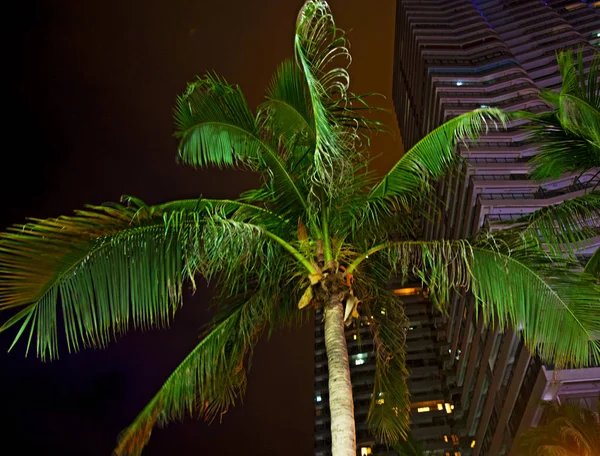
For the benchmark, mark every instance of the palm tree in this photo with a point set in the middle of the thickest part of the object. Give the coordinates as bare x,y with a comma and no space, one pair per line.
569,138
320,231
568,430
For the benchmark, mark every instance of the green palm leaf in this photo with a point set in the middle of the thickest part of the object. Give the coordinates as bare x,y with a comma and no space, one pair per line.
209,380
564,227
108,266
569,135
112,266
433,156
388,416
215,125
593,265
555,308
320,46
286,113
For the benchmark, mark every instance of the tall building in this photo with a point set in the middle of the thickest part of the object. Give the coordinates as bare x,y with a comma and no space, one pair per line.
453,56
473,388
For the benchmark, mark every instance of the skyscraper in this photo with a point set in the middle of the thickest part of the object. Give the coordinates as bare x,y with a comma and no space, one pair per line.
451,57
473,388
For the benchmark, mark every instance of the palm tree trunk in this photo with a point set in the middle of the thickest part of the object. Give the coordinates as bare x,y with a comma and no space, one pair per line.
341,404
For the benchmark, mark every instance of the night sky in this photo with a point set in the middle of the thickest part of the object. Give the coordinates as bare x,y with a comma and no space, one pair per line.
90,90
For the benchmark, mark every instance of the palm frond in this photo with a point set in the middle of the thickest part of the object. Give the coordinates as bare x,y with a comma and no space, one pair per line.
569,134
215,125
286,112
592,267
388,416
564,227
516,284
108,267
112,266
433,155
320,48
209,380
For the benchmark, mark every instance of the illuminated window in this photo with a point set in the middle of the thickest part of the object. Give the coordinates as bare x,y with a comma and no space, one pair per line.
423,409
454,439
359,358
440,406
354,337
446,438
318,398
473,444
457,453
448,407
407,291
364,451
382,311
459,83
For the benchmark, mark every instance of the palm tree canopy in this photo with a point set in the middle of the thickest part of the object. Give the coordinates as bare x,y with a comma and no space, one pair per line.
569,138
320,221
569,134
568,429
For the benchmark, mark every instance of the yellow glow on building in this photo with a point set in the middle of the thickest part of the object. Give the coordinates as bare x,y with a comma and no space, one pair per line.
365,451
446,438
409,291
380,401
473,444
423,409
440,406
448,407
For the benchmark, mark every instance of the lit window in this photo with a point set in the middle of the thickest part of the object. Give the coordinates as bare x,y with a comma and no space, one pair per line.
446,438
448,407
484,106
359,358
382,311
457,453
598,34
407,291
459,83
473,444
440,406
454,438
354,337
365,451
318,398
423,409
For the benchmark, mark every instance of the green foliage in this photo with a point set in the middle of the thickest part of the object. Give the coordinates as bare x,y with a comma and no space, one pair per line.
433,156
567,429
317,212
569,134
564,227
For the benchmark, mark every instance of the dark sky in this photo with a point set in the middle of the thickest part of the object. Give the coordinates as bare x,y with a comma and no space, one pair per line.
88,101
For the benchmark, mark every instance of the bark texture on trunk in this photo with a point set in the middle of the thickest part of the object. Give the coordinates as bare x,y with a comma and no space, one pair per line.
341,404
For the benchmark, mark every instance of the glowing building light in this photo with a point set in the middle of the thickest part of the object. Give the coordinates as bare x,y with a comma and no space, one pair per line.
448,407
318,398
408,291
473,444
423,409
365,451
440,406
459,83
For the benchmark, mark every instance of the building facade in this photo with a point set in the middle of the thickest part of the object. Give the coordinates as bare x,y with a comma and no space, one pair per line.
473,388
451,57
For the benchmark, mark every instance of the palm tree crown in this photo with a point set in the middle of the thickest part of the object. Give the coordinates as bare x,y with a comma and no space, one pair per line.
320,231
569,138
568,430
